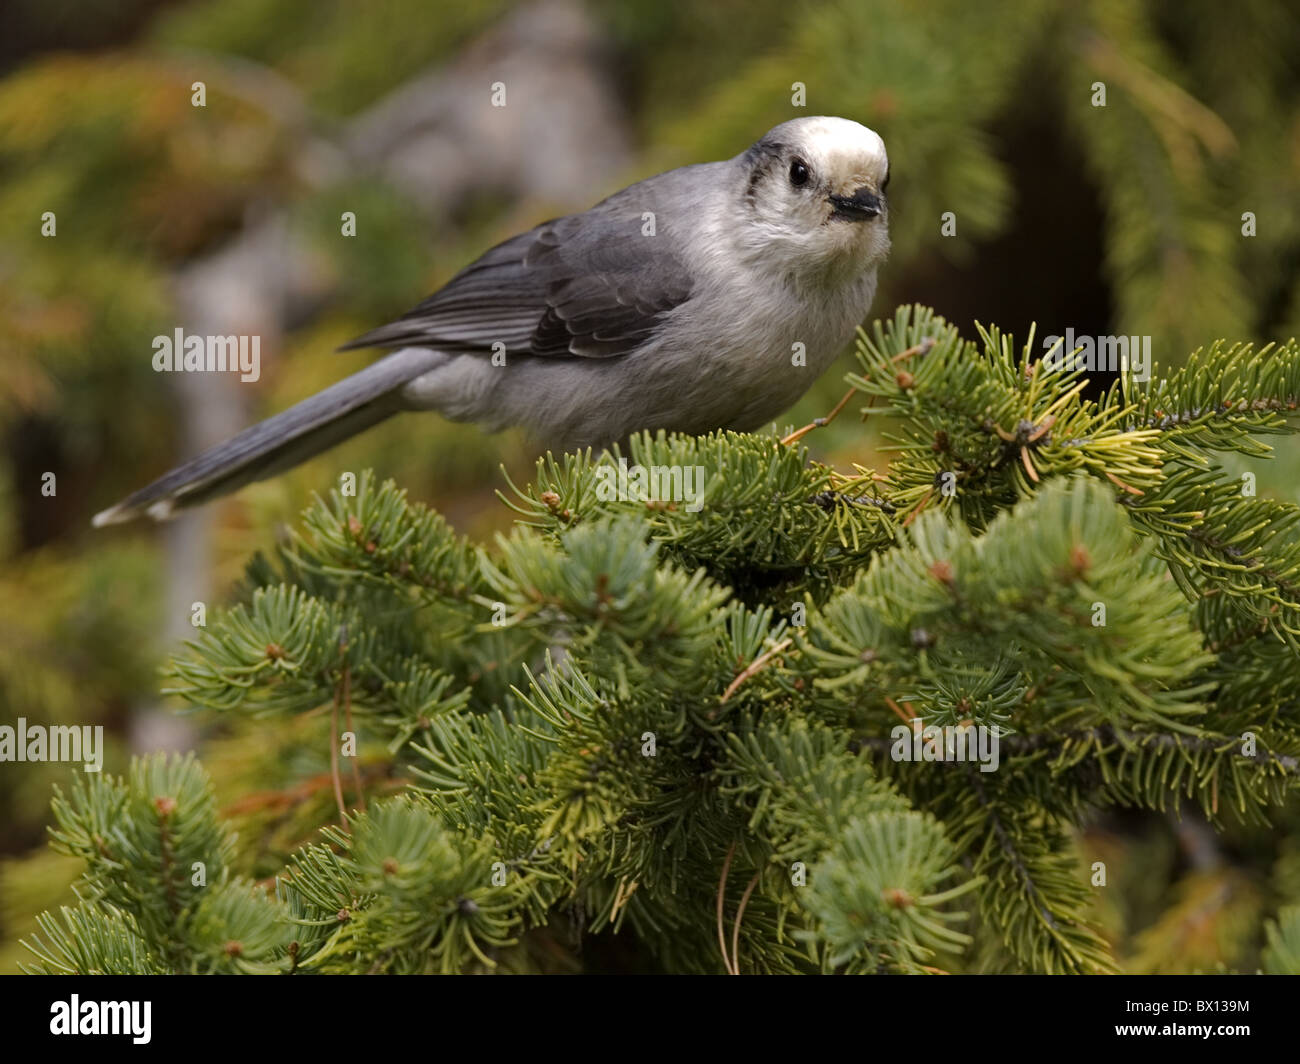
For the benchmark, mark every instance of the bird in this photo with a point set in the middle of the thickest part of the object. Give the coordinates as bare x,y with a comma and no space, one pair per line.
705,298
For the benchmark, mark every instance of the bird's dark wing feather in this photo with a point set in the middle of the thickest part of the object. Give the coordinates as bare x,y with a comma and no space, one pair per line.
590,285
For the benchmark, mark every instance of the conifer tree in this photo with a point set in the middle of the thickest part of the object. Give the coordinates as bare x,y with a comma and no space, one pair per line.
678,728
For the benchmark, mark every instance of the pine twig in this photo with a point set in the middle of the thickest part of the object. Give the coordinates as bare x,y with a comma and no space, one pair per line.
735,928
754,667
722,892
817,423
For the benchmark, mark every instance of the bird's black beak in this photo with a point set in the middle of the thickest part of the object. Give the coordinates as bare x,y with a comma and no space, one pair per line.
863,204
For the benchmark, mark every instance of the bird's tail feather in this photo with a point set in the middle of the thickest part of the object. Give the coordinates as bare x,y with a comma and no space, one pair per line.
281,442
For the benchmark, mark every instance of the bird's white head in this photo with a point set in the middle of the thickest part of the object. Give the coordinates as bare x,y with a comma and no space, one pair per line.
814,191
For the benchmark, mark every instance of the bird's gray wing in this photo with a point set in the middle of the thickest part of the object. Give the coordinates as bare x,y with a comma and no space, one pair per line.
590,285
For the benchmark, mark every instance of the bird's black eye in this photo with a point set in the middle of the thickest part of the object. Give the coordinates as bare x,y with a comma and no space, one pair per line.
799,173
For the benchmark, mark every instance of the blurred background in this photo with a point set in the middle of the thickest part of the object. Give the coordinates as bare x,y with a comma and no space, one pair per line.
1127,218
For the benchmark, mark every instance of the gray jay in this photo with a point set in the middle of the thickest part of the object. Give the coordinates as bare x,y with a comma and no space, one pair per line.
709,297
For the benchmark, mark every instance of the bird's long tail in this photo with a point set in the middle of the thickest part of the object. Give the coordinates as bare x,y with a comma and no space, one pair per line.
281,442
